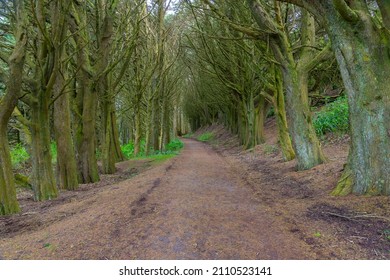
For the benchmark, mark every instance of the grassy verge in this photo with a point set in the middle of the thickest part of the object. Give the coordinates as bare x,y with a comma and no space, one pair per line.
172,149
205,137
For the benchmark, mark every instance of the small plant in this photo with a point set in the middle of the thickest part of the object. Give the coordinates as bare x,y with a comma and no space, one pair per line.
188,135
19,156
317,234
206,137
333,117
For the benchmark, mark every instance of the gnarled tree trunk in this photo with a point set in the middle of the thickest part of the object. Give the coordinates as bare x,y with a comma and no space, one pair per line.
8,201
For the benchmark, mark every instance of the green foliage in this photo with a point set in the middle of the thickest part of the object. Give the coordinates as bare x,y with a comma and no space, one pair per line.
128,150
53,152
271,112
174,145
317,234
206,137
172,148
162,156
19,156
332,118
188,135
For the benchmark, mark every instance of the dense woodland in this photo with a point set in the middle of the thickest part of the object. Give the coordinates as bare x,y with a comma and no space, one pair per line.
90,76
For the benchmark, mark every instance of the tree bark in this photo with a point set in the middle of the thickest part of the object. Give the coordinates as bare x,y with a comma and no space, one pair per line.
86,101
363,55
66,157
8,201
281,119
305,142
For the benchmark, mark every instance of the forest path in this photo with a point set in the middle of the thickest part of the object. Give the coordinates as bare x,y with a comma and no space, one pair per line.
194,206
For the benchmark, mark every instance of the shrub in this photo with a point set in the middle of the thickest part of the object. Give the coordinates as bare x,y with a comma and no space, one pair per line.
174,145
128,150
19,156
206,137
332,117
171,149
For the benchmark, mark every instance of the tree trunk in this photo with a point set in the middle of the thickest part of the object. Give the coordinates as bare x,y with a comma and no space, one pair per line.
43,180
8,201
261,111
137,136
305,142
281,120
66,157
363,55
86,101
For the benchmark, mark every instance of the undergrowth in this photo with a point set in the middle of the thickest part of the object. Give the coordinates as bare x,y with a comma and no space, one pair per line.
171,149
205,137
333,117
19,156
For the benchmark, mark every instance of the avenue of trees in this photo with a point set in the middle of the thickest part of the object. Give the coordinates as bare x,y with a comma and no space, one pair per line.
93,75
85,75
248,55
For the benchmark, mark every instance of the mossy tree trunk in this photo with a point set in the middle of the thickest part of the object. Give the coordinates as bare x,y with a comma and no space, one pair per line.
43,180
8,201
305,142
363,53
47,71
86,100
66,157
281,118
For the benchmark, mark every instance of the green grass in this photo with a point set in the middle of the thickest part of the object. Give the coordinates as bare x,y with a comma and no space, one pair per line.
332,117
20,156
171,149
206,137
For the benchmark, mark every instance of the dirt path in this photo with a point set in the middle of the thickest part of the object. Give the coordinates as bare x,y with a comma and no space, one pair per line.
191,207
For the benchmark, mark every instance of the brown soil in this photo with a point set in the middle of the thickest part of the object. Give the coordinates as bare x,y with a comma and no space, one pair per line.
349,227
206,203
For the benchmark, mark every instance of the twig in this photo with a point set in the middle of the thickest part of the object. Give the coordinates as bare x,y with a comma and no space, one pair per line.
353,218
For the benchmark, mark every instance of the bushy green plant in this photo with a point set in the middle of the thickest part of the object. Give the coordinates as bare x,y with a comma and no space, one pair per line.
206,137
128,150
19,156
174,145
332,117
